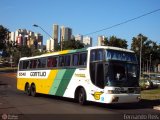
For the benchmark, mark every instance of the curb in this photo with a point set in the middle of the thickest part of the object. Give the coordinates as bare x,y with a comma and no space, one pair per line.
156,107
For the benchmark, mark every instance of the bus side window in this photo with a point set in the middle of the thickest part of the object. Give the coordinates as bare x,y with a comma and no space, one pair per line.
25,64
61,61
21,65
75,59
83,59
99,55
67,60
41,63
93,55
52,62
49,62
38,63
33,63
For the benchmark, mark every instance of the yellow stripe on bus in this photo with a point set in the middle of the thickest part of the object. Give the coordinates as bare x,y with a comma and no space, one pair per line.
42,85
64,52
58,53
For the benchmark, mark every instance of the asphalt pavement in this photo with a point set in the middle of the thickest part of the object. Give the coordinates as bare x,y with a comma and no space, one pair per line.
15,104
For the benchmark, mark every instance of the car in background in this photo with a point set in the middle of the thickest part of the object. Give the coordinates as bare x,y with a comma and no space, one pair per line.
156,83
153,76
145,76
150,81
158,76
145,84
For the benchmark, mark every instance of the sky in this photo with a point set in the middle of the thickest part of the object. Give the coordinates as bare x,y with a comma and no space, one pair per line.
83,16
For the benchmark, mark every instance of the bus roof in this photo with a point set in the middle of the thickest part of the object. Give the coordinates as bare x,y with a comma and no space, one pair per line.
78,50
111,48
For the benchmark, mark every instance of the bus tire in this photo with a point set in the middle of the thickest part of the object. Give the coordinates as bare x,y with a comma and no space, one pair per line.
33,90
82,96
27,89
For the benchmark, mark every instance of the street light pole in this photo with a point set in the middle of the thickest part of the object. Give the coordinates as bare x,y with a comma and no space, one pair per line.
43,30
35,25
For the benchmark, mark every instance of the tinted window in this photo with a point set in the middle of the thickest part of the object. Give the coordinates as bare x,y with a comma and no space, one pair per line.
52,62
75,59
21,65
93,55
97,55
41,63
82,58
25,64
33,63
67,60
61,61
120,55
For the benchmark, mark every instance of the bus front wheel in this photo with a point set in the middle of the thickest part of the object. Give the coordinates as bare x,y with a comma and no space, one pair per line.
82,96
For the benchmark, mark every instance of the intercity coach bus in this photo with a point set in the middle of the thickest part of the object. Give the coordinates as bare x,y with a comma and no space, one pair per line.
100,74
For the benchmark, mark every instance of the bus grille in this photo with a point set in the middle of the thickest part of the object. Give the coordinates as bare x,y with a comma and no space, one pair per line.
130,90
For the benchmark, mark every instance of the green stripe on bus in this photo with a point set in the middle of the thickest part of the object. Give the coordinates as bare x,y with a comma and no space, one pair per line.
81,50
57,81
72,51
78,50
65,81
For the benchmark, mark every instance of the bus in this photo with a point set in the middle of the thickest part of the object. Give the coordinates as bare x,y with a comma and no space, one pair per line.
101,74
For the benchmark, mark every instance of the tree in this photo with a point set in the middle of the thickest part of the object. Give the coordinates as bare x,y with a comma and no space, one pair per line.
57,47
34,51
3,37
25,51
150,50
136,43
116,42
70,44
11,47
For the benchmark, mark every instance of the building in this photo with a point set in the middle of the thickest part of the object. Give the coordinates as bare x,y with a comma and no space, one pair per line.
50,45
65,33
55,34
79,38
12,36
38,42
24,37
87,41
101,40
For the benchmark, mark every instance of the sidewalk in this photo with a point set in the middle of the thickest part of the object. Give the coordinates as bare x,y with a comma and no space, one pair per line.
11,75
156,107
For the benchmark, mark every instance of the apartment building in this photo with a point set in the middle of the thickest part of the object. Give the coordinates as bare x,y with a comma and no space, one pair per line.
24,37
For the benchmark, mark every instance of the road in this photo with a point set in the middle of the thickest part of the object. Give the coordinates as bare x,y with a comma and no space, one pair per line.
16,104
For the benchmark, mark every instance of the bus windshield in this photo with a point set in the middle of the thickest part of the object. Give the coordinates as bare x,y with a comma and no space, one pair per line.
121,74
120,55
115,68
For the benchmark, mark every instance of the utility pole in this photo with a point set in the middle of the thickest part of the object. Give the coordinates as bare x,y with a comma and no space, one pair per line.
150,66
140,55
147,67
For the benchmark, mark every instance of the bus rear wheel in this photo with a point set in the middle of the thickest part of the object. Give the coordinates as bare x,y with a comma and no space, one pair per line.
33,90
82,96
27,89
